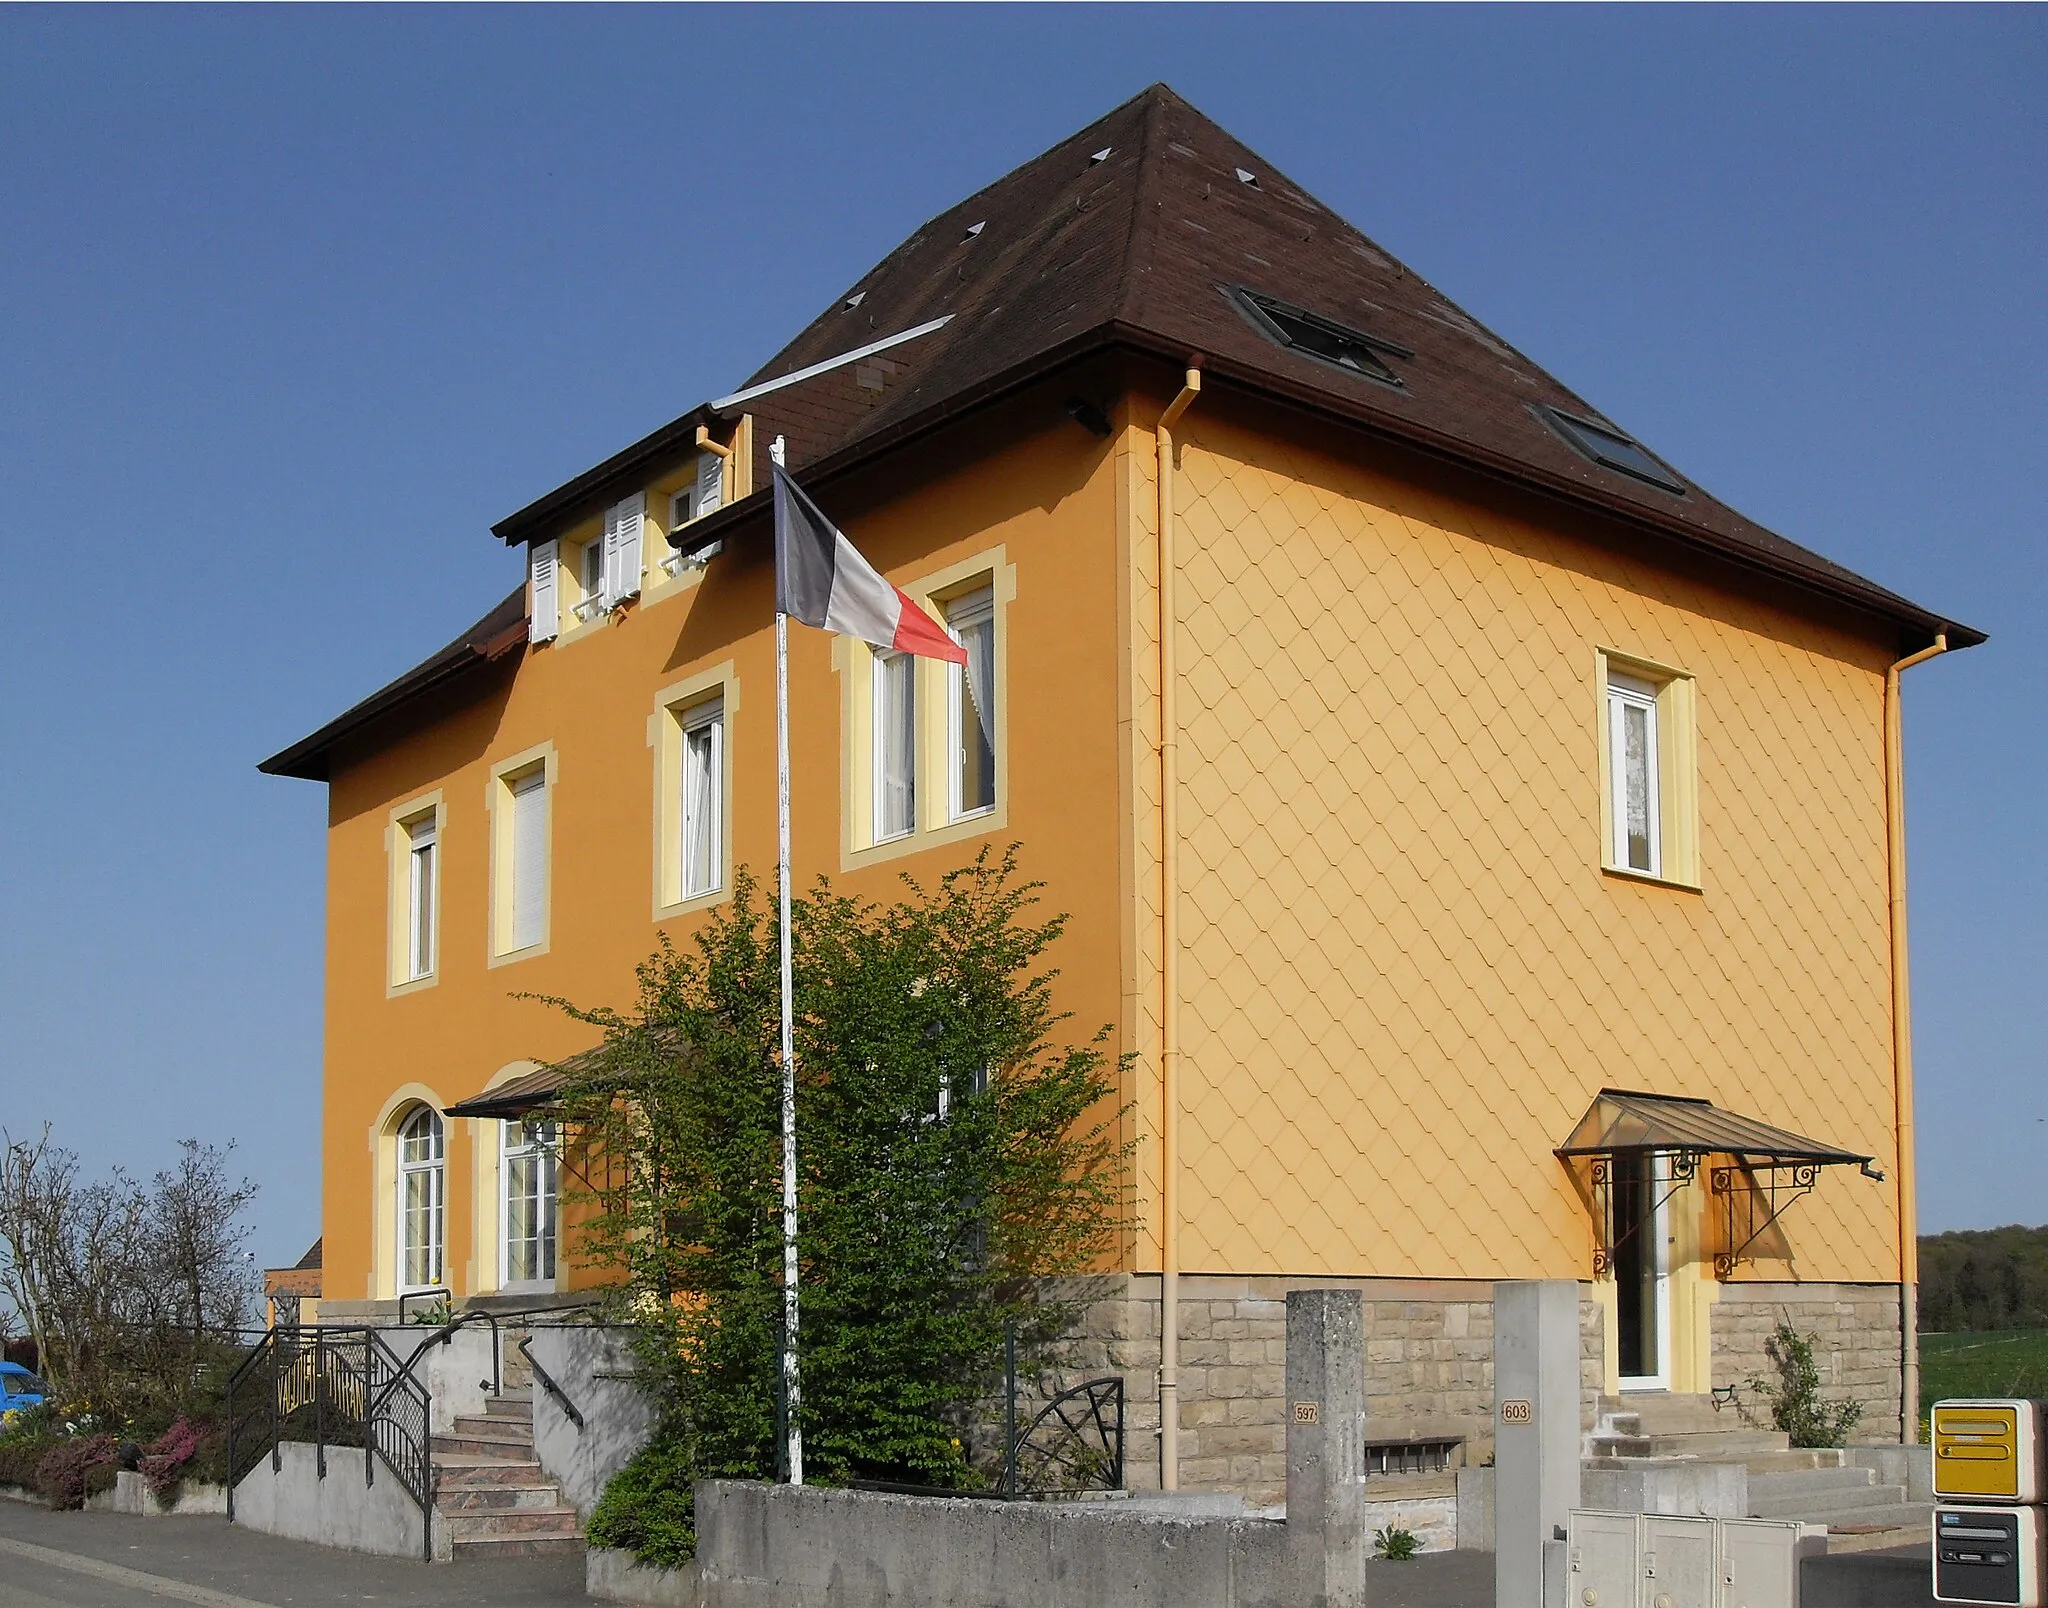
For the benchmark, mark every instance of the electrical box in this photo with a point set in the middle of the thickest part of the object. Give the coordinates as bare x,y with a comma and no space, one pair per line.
1989,1554
1760,1558
1600,1559
1988,1451
1652,1560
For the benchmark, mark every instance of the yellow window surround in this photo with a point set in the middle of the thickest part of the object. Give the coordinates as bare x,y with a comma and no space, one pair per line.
538,760
399,977
933,823
1677,776
674,707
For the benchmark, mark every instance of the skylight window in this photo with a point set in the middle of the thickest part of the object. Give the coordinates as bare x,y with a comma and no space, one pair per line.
1321,338
1606,445
1252,179
1101,155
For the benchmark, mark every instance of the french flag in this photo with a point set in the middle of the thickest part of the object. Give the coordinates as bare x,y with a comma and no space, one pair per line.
821,579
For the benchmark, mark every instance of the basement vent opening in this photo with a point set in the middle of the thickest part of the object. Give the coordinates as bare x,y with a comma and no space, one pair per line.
1606,445
1321,338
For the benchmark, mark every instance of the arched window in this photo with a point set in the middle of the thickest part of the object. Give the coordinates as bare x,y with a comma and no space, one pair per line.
422,1201
528,1204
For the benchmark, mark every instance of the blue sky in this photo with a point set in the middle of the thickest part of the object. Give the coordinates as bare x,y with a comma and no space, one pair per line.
295,302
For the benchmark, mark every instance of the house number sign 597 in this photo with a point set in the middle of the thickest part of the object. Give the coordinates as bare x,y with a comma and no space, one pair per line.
1307,1412
1517,1412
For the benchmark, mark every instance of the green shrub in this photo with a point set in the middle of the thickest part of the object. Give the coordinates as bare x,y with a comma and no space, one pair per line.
1793,1396
961,1174
1392,1542
650,1507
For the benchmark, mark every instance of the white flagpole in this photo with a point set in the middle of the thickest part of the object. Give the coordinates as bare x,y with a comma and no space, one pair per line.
792,1393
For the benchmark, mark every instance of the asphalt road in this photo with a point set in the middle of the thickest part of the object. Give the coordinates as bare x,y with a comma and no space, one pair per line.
113,1560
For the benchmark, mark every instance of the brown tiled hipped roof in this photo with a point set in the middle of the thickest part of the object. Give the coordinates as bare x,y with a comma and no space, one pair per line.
1136,234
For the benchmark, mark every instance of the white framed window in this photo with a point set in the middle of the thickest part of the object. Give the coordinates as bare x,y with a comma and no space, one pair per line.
590,580
702,811
422,851
1634,783
971,706
527,1200
894,762
527,876
422,1201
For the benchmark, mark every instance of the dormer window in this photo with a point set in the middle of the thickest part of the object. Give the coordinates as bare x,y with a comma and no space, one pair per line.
705,494
1606,445
1323,339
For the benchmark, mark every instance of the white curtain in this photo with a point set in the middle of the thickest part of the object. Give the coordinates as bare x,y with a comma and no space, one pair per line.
895,743
702,791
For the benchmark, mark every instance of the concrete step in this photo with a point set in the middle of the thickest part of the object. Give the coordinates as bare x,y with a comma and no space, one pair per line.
1788,1481
1870,1529
511,1522
1657,1413
468,1547
494,1426
481,1446
1721,1446
1809,1482
1803,1506
508,1405
496,1498
1793,1459
459,1473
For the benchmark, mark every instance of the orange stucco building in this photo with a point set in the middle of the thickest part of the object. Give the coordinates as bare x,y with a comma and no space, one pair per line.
1474,762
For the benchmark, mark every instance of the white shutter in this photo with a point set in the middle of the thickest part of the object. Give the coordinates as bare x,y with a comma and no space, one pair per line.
529,859
545,618
710,482
622,525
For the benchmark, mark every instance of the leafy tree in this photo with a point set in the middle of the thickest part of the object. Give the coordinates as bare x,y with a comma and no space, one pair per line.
959,1168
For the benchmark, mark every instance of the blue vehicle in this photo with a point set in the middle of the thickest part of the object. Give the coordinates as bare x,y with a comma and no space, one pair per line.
19,1388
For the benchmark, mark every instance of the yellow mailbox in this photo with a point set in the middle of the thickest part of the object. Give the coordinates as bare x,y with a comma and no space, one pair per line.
1988,1451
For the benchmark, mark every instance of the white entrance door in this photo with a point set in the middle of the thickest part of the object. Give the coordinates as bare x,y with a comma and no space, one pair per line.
1641,1229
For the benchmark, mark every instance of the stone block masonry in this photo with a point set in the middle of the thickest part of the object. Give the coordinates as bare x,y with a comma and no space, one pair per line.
1428,1370
1856,1342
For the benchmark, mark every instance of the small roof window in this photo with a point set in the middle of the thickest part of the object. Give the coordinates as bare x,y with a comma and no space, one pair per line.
1606,445
1322,338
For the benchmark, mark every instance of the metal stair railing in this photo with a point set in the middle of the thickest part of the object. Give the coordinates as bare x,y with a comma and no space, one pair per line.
339,1387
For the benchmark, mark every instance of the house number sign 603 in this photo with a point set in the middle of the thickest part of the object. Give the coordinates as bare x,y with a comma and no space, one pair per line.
1517,1412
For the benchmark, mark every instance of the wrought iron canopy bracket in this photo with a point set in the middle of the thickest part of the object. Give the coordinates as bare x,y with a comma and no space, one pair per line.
1771,1185
1685,1167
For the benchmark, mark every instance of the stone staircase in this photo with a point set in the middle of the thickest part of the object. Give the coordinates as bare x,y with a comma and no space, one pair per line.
1806,1486
489,1486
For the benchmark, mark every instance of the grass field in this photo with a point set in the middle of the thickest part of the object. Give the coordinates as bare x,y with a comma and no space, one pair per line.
1998,1362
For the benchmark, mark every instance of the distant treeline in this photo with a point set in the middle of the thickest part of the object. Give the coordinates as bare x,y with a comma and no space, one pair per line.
1984,1278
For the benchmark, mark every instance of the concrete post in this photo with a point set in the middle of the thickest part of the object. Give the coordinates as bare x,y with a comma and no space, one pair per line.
1536,1430
1325,1446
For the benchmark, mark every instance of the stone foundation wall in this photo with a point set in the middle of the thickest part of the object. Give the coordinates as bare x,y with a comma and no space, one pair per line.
1428,1371
1856,1344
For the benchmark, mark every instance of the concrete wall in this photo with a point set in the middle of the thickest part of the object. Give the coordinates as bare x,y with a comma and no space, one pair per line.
456,1372
338,1511
596,1369
779,1546
1856,1330
613,1576
131,1494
